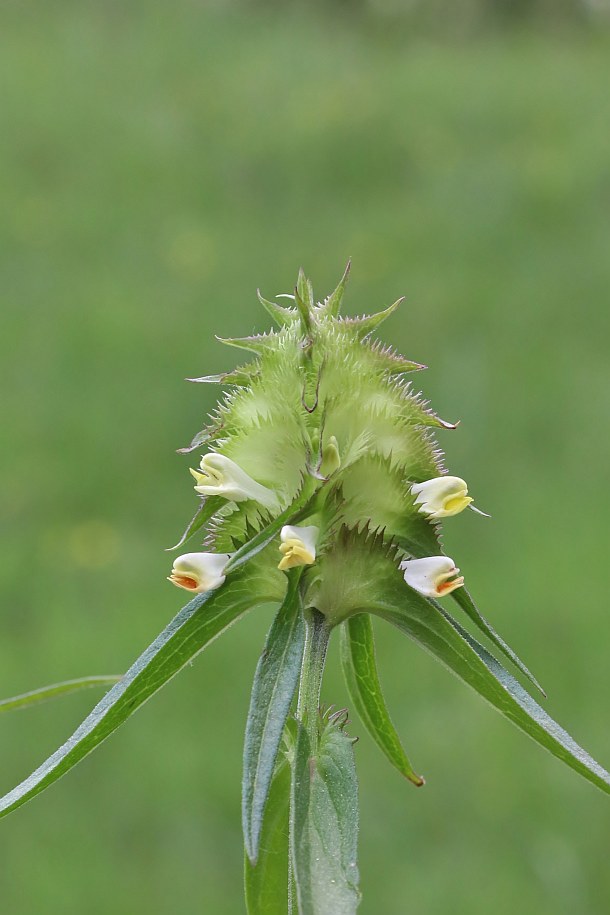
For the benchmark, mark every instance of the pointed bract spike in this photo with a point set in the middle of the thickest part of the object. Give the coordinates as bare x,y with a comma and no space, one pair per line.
238,377
206,435
366,324
305,289
259,343
332,304
304,312
209,379
393,362
400,365
282,316
441,423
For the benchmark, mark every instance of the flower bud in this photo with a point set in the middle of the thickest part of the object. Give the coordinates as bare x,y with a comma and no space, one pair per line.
441,497
220,476
298,546
331,458
433,576
198,572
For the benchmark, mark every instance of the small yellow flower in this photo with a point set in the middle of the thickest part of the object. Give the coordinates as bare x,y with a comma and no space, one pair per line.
434,576
199,572
220,476
442,496
298,546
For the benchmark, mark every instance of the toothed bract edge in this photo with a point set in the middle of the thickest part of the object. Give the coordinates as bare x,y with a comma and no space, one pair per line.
322,405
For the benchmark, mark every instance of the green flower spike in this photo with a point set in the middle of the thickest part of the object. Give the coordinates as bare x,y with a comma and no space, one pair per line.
321,490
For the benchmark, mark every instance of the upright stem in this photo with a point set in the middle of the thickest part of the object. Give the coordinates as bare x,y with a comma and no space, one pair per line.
317,633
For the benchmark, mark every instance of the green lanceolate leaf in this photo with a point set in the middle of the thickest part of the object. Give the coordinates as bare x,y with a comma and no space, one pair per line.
208,507
275,682
194,627
467,604
54,691
427,623
324,825
360,670
267,880
463,598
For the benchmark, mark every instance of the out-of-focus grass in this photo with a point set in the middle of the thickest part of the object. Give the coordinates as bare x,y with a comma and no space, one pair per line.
160,161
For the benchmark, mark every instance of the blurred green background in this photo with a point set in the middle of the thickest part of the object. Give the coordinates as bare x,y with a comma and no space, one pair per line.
160,161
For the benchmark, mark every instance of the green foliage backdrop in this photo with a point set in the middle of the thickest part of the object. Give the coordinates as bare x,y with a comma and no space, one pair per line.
157,163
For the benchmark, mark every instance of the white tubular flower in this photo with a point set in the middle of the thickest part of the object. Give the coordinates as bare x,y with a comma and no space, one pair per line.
434,576
220,476
199,572
298,546
441,497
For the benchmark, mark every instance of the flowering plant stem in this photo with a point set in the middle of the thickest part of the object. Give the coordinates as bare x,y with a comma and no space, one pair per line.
323,494
317,635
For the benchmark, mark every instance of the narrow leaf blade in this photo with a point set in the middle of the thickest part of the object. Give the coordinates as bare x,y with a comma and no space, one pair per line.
54,691
463,598
266,882
467,604
427,623
194,627
362,679
275,682
324,824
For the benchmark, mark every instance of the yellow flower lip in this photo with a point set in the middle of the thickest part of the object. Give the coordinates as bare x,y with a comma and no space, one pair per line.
199,572
442,497
433,576
220,476
298,546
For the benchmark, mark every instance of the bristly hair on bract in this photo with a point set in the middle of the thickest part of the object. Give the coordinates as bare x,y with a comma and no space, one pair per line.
320,383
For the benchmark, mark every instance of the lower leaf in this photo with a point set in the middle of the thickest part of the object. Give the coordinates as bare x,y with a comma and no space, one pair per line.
360,670
275,682
427,623
54,691
324,825
194,627
266,882
462,597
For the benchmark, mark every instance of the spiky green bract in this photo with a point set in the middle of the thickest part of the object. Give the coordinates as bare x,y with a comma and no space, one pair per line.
319,385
